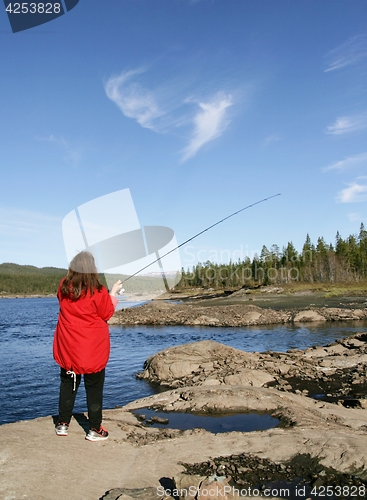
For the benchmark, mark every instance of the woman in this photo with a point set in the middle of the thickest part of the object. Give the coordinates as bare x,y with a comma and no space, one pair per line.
82,341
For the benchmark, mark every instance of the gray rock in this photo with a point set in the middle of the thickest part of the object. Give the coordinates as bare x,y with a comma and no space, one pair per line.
159,420
308,316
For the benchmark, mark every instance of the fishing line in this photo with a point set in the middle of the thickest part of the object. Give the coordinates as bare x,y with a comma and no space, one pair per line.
201,232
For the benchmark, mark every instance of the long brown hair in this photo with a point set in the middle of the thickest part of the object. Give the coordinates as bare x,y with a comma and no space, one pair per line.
82,277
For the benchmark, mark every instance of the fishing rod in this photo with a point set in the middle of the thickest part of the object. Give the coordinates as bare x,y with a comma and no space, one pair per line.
198,234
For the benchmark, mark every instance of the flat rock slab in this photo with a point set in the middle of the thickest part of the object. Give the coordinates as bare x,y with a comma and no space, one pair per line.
37,465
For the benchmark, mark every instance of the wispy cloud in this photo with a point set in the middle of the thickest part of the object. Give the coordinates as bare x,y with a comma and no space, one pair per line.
272,138
52,138
353,216
209,123
166,109
355,192
18,221
347,124
347,163
31,237
72,154
347,54
133,99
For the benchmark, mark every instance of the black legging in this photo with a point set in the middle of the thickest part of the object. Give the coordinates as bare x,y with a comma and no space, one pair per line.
93,383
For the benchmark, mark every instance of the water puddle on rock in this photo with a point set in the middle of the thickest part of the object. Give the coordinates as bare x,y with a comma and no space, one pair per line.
240,422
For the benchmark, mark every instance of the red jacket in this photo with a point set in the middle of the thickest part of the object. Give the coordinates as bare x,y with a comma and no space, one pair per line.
82,338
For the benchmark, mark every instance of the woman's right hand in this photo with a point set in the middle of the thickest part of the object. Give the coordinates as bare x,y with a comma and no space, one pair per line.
116,287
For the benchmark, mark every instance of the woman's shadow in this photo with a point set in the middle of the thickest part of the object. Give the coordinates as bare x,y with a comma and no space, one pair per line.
79,417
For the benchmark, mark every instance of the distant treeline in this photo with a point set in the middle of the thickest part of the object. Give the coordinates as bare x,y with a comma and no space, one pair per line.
343,261
30,280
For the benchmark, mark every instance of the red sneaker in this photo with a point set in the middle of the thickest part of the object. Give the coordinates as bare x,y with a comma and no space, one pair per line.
97,435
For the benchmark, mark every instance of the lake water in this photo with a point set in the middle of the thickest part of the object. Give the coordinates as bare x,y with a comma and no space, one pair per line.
29,377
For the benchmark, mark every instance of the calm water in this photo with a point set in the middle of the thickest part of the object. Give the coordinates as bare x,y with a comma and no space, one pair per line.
29,377
241,422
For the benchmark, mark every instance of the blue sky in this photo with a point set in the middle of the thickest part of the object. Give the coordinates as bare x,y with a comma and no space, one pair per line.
199,108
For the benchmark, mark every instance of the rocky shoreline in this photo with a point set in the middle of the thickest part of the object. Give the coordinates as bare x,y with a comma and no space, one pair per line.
336,372
319,396
330,383
211,378
237,315
27,296
318,443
